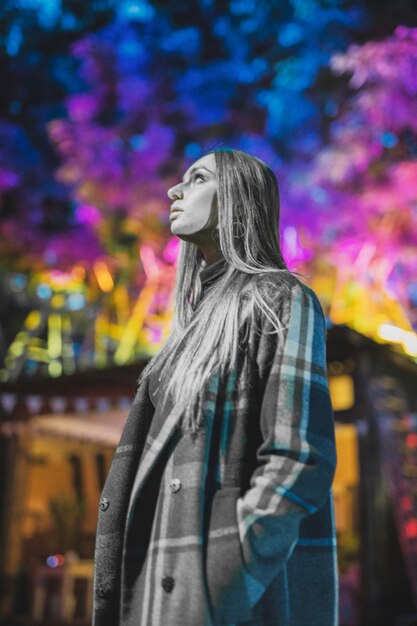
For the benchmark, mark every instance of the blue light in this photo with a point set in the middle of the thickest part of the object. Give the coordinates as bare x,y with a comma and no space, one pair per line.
389,140
318,194
186,40
304,8
290,34
18,282
44,292
246,74
52,561
136,10
138,142
68,21
259,65
76,301
221,26
192,151
249,25
130,48
14,40
47,10
55,560
240,7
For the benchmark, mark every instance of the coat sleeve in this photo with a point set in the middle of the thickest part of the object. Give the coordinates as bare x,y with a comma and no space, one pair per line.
296,460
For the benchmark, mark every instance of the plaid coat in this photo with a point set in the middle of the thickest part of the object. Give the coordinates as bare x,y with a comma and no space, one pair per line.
233,525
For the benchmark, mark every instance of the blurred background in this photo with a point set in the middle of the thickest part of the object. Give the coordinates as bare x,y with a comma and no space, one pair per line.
102,107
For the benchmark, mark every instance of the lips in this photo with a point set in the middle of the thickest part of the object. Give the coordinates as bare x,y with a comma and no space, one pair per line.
174,211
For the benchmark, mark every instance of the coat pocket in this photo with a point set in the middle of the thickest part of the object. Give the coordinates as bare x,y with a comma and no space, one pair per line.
224,564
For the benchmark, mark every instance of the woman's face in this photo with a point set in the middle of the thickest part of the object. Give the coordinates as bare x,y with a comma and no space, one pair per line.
194,208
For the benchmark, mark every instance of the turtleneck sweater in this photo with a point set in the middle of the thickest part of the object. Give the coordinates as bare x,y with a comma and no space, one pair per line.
211,272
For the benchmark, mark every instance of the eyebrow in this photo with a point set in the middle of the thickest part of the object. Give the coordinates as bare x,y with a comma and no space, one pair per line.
195,169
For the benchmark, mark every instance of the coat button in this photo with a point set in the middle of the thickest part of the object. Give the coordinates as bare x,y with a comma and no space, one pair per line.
175,485
104,504
103,591
168,583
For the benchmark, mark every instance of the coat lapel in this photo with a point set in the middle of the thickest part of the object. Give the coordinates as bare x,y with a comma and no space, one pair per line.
156,443
153,448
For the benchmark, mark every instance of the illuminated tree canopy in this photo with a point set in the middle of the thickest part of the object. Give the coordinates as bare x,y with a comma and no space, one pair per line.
108,102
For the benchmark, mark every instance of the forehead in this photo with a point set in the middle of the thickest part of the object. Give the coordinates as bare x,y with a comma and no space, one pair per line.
207,161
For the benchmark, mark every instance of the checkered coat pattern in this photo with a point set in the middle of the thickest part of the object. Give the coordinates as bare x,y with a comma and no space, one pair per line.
234,525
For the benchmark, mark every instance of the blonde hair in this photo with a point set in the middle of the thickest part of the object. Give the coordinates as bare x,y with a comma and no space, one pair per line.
204,339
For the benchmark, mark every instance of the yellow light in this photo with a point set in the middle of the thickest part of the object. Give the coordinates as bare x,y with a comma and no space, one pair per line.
16,349
103,276
78,272
33,320
410,343
389,332
55,369
54,336
347,470
58,301
342,392
408,339
38,354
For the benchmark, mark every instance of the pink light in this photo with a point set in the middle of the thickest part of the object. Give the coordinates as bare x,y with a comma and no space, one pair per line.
365,256
412,440
87,214
411,529
170,253
149,261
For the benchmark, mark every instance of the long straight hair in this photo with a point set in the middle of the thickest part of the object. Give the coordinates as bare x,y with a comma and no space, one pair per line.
205,335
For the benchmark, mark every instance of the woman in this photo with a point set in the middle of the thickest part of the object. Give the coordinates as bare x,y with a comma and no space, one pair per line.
217,509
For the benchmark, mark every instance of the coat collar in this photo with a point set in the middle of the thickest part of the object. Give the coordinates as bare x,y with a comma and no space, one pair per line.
210,273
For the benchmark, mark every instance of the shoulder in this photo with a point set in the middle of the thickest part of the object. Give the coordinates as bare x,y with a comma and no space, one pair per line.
284,291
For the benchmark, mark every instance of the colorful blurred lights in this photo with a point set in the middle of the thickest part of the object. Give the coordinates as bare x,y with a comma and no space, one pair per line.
410,344
138,142
389,140
44,292
392,333
55,560
141,11
103,276
411,440
18,282
87,214
192,150
76,301
411,529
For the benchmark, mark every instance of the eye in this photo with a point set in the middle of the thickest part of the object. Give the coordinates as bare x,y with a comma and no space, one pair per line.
198,176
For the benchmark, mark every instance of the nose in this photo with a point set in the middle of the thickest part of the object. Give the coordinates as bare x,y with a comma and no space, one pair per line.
175,193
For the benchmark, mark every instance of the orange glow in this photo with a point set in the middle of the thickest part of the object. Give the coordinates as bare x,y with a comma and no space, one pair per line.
103,276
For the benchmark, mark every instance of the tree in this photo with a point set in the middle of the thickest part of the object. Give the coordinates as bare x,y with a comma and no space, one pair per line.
362,188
